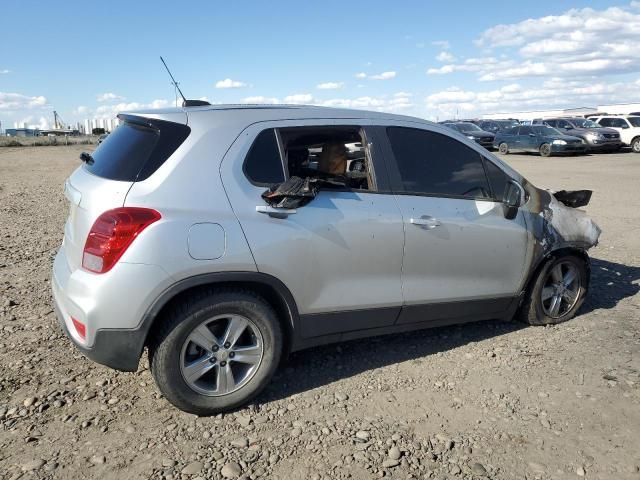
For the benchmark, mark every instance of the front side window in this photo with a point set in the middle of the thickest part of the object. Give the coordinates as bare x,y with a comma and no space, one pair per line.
545,130
526,130
498,180
435,164
263,165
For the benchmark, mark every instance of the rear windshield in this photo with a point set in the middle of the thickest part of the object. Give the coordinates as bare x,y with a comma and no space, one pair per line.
133,151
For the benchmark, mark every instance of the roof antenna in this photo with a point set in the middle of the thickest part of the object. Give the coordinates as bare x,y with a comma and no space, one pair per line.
185,102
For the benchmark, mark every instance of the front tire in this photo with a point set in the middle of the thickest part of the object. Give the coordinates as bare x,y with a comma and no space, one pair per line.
545,150
503,148
635,145
216,351
557,293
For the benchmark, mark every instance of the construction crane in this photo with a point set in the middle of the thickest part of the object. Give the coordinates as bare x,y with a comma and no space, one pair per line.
58,123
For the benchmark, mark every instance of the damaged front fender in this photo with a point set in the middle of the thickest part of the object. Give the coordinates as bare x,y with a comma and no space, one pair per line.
556,223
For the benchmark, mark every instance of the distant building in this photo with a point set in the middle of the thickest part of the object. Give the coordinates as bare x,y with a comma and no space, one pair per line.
532,115
109,124
619,108
22,132
616,108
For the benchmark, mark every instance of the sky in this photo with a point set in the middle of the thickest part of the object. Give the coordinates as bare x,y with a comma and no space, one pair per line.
428,59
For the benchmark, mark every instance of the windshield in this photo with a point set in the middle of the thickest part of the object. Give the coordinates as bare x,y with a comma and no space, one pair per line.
634,121
545,130
468,127
580,123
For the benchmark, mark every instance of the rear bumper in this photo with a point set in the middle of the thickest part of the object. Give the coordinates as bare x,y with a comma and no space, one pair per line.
110,305
118,349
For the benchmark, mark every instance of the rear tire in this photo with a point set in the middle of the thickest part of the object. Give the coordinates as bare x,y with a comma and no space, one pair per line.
503,148
545,150
557,293
225,381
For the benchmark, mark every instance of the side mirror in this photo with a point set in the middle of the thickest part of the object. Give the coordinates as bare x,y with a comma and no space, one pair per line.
624,126
513,199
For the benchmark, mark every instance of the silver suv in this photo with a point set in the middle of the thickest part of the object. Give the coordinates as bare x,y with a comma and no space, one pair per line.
223,237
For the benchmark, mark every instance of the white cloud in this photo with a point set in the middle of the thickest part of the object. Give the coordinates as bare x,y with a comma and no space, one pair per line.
259,99
81,110
109,97
34,122
17,101
378,76
445,57
330,85
443,44
110,111
299,98
554,93
383,76
575,44
4,71
228,83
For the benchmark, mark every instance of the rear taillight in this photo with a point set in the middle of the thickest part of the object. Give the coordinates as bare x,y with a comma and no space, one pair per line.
80,328
111,235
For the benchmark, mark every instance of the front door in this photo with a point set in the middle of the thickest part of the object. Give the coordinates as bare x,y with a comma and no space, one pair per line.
463,259
340,255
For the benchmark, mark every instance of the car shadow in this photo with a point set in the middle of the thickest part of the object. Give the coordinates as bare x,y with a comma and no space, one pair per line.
610,283
309,369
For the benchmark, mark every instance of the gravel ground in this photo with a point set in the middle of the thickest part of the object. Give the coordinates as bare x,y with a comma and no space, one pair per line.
487,400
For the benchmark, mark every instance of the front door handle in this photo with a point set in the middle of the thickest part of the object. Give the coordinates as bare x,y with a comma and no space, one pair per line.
275,212
426,222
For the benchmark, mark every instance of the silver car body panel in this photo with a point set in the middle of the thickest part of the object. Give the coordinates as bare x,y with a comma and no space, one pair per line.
343,251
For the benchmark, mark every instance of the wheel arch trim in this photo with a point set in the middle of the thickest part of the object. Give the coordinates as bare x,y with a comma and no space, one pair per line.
235,278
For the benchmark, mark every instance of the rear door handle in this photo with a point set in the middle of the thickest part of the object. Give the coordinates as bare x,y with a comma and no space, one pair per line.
426,222
275,212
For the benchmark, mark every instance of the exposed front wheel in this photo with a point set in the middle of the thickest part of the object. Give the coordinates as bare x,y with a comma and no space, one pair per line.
557,293
216,351
545,150
635,145
503,148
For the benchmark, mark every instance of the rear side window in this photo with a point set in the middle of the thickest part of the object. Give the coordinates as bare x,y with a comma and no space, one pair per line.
263,165
435,164
133,151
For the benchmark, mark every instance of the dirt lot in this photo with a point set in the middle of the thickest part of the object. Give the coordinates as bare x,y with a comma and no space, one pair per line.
487,400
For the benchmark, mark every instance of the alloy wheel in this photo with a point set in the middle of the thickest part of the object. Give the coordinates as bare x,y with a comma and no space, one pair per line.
221,355
545,150
561,290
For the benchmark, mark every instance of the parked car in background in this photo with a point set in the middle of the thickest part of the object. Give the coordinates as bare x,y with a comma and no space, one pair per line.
597,137
627,125
200,248
496,126
473,132
538,138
